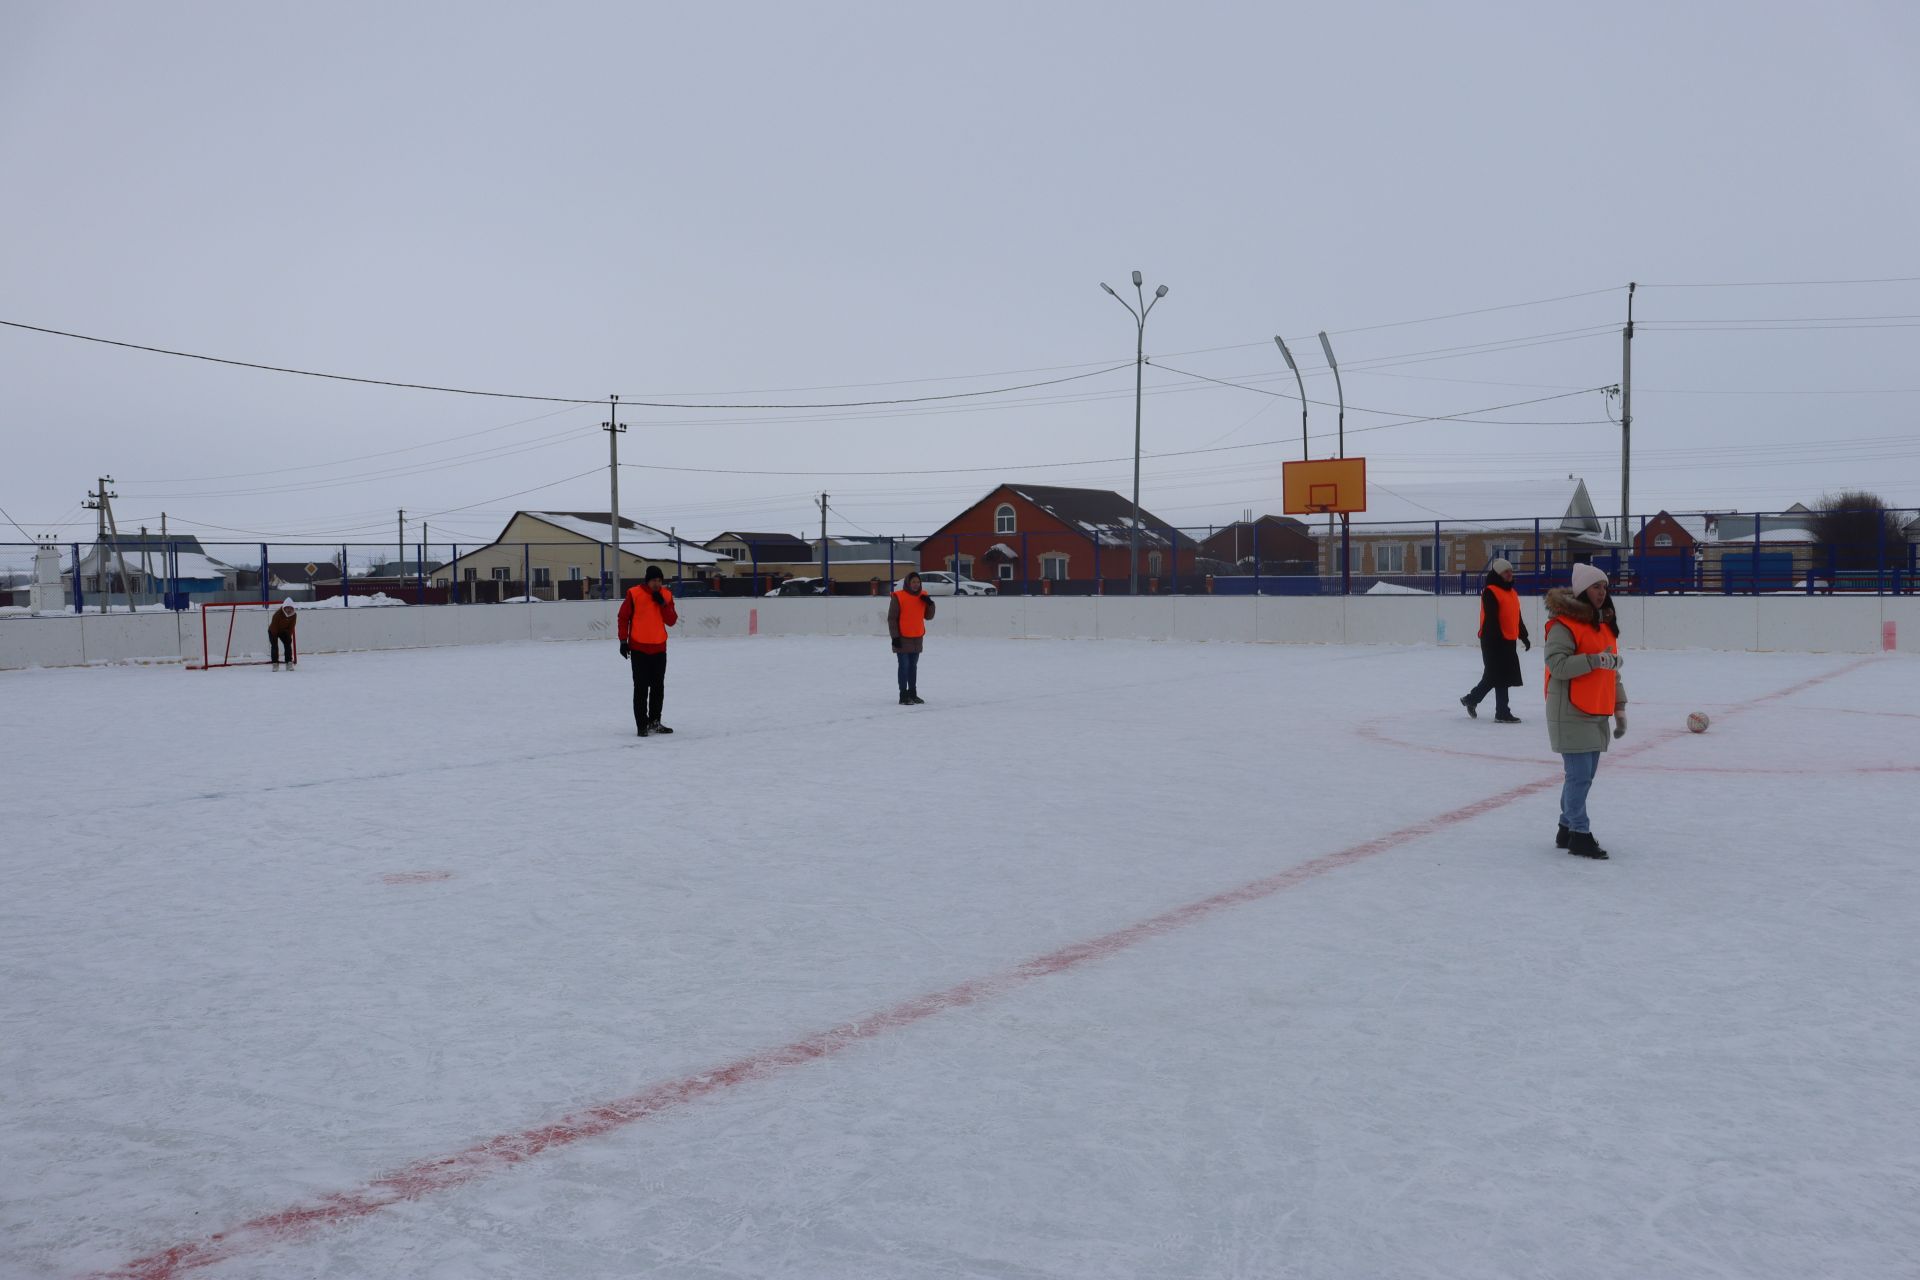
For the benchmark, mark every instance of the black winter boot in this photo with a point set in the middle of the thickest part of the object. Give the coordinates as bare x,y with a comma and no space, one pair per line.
913,696
657,727
1560,837
1581,844
1506,717
1472,711
906,699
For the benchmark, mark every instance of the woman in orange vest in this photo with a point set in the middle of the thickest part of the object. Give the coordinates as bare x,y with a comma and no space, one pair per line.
907,617
1584,691
645,615
1500,626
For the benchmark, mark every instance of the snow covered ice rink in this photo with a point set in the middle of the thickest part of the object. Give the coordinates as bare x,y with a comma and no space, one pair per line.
1115,959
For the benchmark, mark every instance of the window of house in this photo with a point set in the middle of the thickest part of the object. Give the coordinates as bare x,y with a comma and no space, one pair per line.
573,574
1433,559
470,574
1510,554
440,582
1389,558
1006,572
1054,566
1662,539
542,577
966,566
1154,562
500,575
1003,519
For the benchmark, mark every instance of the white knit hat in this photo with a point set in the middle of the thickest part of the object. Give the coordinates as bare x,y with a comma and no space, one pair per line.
1584,576
287,603
1499,564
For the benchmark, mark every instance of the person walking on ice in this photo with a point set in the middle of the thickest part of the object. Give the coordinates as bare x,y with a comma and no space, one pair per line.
907,617
1500,625
280,629
645,615
1584,690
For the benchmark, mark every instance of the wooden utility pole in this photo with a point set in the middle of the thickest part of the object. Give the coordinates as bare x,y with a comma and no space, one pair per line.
1626,430
614,431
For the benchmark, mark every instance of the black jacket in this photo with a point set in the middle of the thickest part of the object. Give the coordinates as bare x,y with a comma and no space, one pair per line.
1498,655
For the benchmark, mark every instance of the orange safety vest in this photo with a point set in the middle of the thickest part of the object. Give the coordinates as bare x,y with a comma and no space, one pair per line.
646,626
1596,691
913,614
1509,600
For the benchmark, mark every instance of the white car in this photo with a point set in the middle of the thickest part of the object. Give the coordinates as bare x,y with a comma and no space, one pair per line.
938,582
799,587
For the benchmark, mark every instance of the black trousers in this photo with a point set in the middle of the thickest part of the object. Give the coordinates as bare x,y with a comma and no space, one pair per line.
1499,692
276,643
649,685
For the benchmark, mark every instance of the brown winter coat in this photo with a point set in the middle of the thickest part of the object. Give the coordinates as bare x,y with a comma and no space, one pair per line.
282,623
906,644
1570,730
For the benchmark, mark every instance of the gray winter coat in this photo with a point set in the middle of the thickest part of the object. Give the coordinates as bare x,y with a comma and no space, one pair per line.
1571,731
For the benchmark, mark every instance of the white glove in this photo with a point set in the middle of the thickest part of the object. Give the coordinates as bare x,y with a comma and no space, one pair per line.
1619,724
1606,661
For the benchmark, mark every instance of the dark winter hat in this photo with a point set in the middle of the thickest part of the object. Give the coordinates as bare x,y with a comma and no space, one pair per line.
653,574
913,575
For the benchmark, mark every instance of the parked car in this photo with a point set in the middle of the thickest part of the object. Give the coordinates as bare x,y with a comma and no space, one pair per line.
799,587
938,582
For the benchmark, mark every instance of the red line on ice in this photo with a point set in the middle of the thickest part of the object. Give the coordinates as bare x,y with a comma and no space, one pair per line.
442,1173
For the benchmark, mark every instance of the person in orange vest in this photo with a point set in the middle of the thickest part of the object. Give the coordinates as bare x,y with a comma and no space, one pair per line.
1500,626
907,616
1584,692
645,615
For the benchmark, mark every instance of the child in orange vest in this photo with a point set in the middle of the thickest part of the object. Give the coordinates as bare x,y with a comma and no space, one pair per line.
1584,691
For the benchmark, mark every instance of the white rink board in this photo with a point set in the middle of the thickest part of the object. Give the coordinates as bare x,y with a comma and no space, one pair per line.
1767,624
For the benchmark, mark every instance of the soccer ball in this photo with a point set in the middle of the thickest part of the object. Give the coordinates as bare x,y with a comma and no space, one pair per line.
1698,722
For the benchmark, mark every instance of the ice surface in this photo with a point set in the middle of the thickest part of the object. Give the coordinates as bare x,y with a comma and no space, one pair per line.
268,936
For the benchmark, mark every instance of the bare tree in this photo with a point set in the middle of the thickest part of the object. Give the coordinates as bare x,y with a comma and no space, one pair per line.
1856,530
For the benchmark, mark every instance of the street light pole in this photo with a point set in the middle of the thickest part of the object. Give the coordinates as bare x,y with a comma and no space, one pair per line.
1300,382
1338,389
1139,368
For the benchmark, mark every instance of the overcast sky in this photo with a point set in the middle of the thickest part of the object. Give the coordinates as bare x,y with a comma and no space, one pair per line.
802,203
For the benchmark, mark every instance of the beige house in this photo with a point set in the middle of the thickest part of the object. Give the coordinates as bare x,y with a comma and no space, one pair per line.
563,555
1412,533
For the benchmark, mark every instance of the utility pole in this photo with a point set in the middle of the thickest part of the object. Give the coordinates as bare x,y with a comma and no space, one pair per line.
614,431
400,565
1626,429
113,527
826,584
95,503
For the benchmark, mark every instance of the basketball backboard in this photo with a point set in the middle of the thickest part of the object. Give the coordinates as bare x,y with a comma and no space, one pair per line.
1325,485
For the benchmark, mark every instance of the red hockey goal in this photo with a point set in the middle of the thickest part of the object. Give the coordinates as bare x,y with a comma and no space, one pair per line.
234,634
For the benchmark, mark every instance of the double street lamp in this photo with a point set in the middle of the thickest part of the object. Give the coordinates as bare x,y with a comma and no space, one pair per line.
1139,315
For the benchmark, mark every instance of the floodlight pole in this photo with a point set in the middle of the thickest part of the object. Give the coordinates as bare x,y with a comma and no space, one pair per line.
1300,382
1346,543
1139,369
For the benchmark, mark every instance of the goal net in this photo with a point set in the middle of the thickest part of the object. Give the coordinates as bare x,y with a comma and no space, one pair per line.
234,634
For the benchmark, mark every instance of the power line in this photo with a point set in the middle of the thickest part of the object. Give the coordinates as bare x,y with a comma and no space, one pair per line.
576,400
1781,284
1444,417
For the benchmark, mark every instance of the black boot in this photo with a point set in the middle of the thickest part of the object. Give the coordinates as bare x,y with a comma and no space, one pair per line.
1581,844
1560,837
1472,710
1505,717
657,727
644,728
906,700
913,696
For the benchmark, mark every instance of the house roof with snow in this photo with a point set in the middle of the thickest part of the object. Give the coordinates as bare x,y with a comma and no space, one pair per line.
1100,515
597,526
778,548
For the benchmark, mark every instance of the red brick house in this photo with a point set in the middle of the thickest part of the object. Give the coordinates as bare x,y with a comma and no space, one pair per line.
1035,539
1283,544
1664,536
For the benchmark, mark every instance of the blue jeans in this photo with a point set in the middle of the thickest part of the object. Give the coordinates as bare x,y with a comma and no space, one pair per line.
1581,766
909,664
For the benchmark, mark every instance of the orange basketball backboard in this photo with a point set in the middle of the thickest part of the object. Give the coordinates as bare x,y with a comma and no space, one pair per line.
1325,485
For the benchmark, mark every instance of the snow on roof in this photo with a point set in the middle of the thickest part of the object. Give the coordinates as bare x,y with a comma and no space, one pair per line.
599,528
1768,535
